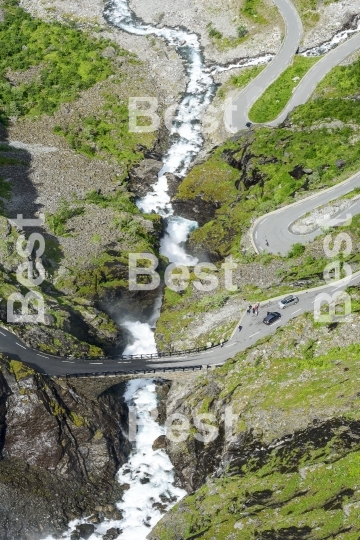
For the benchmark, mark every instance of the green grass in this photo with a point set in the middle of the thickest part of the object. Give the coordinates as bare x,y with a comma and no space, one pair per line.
274,99
57,222
106,135
246,75
69,61
122,201
222,42
20,370
254,10
306,483
244,193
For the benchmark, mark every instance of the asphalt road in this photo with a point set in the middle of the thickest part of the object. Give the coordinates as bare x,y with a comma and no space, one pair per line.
272,232
253,329
273,227
236,115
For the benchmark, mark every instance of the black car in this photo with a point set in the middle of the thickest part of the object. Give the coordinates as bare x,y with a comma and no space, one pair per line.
271,317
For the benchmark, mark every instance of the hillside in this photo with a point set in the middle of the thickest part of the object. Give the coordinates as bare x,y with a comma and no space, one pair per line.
290,466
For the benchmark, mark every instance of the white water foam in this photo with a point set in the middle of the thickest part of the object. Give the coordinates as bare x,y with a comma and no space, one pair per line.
142,336
148,472
176,234
185,134
142,333
245,62
333,42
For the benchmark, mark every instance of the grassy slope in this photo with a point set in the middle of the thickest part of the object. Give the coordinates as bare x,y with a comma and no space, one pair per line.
309,486
308,140
274,99
272,154
51,64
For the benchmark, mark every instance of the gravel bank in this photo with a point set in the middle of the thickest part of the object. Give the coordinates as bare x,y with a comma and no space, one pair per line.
320,216
332,18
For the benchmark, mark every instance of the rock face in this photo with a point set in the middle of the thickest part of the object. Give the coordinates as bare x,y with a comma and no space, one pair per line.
287,435
196,209
59,451
144,176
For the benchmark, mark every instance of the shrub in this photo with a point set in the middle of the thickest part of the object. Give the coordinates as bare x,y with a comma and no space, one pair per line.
296,250
242,31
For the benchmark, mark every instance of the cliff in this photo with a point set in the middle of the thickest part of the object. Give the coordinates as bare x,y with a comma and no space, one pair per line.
60,448
289,465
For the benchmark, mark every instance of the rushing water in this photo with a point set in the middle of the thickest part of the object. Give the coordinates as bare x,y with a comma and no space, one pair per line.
185,135
148,473
336,40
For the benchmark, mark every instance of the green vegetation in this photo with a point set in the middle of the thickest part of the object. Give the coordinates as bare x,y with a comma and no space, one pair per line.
121,201
296,250
323,504
213,33
335,99
253,9
20,370
106,135
308,10
241,31
274,99
297,390
56,409
227,42
57,222
241,80
246,75
68,61
78,420
261,180
182,310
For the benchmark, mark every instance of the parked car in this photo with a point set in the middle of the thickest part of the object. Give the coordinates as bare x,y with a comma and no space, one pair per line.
271,317
288,301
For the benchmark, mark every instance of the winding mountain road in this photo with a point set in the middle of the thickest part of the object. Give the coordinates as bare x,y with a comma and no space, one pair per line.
273,227
272,233
252,330
236,114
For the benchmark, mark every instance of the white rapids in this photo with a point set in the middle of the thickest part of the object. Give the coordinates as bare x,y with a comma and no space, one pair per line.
148,473
338,38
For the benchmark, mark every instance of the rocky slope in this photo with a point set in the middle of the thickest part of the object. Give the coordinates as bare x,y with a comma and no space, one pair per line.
286,463
60,449
71,162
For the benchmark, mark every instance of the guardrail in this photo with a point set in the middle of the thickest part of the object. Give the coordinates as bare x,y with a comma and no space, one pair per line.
155,355
130,372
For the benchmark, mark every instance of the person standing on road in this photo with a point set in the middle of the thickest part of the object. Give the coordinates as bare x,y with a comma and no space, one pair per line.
240,327
266,242
248,311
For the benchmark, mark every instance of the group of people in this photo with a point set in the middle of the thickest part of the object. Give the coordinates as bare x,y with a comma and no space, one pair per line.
254,309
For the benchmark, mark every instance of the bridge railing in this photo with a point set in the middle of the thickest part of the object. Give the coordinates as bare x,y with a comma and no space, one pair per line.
132,372
154,356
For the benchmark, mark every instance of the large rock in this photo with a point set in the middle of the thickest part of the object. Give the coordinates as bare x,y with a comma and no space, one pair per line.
60,450
144,175
159,443
85,530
